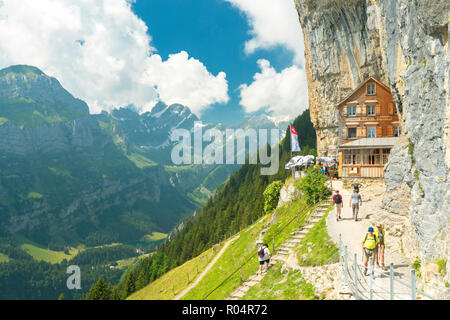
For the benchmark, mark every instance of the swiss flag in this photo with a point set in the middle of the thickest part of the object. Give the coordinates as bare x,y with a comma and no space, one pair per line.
294,140
293,131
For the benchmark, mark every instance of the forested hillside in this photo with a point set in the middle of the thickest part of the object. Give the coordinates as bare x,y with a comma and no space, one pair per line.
238,203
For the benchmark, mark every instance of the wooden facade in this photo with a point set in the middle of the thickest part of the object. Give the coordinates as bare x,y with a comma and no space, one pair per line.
368,126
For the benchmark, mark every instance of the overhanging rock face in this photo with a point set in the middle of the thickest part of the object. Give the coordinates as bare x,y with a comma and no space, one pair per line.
405,45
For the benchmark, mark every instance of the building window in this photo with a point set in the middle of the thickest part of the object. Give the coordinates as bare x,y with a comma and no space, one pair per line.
371,110
370,89
355,156
385,155
351,111
351,156
347,157
371,132
395,108
351,133
372,156
396,131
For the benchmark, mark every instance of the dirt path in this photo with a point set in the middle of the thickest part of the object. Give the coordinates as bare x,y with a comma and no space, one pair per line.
352,233
192,285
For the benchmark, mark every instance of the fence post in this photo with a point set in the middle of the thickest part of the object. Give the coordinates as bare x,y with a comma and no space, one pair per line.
356,277
346,263
241,274
273,245
340,249
391,276
371,278
413,285
298,223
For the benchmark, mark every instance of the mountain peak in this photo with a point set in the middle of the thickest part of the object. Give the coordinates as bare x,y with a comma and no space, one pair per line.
22,69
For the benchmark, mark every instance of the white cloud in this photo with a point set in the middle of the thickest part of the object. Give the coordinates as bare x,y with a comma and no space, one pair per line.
181,78
283,94
273,23
101,53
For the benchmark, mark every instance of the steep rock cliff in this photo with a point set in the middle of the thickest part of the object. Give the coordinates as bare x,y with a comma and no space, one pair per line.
405,45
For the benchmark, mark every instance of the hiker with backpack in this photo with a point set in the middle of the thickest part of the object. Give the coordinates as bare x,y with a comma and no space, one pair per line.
379,253
263,257
355,202
338,204
369,246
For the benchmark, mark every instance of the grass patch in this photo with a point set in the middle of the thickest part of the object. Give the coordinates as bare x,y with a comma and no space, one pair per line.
284,214
60,172
442,266
416,266
237,253
140,161
317,247
278,285
34,195
155,236
176,280
41,254
3,258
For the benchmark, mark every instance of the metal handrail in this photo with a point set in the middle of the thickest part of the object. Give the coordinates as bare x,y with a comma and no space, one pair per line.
302,211
350,279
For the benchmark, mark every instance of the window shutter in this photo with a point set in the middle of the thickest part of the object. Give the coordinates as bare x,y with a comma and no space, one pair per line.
358,132
377,110
345,109
379,132
390,131
391,109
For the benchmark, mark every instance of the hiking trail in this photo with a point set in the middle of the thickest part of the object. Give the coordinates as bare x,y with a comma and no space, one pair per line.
284,253
210,265
353,233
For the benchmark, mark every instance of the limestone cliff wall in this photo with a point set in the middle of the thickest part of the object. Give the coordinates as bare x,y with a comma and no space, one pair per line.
403,43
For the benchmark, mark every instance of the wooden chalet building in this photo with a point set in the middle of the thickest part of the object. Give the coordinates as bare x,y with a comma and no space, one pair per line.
368,129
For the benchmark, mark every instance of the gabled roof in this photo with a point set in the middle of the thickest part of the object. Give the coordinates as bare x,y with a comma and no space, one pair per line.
359,87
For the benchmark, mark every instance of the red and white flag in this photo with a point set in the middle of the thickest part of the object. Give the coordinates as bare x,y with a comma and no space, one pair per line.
294,140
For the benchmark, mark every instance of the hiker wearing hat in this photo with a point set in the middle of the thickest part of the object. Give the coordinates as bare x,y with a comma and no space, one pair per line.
369,246
379,233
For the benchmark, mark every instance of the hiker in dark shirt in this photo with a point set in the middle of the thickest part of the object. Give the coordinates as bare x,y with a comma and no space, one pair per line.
338,204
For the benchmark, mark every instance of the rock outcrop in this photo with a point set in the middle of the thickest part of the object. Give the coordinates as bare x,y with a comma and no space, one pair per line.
405,45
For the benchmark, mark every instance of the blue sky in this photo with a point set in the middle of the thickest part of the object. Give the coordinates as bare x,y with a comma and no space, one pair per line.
224,59
214,32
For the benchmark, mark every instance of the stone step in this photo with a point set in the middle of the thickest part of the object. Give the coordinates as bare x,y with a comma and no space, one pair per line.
309,226
255,277
293,240
314,220
299,237
297,233
291,244
250,283
283,253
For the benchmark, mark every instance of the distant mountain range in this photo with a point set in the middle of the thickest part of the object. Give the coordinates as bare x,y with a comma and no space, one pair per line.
71,177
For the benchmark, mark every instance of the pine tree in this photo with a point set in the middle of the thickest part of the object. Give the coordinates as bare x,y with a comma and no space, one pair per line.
100,291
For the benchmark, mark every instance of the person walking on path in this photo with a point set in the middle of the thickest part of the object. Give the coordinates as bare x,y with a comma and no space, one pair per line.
369,245
338,204
356,185
379,252
355,202
263,257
